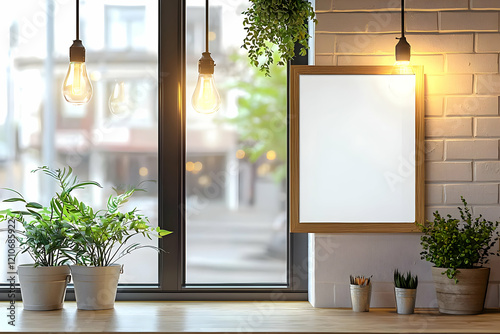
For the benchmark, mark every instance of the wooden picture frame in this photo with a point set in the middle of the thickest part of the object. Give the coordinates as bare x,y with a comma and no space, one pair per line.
326,88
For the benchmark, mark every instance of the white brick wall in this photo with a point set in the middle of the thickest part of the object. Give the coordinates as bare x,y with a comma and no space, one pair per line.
458,43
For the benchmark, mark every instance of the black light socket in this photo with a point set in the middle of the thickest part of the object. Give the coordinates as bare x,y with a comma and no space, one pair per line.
206,64
77,52
403,50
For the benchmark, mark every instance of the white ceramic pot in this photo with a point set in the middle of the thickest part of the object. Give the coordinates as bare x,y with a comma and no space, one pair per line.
43,288
360,297
465,297
405,300
95,287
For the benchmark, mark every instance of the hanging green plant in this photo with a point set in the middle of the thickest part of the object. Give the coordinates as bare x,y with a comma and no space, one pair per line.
276,22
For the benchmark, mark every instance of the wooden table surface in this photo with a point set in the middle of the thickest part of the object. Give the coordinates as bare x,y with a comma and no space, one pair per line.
237,317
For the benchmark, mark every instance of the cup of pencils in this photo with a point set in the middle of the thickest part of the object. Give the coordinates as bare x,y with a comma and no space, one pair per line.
361,290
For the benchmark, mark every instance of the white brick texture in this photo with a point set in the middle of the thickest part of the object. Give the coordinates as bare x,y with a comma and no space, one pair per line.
434,105
471,149
468,21
359,22
449,127
472,63
485,4
487,171
471,106
487,127
473,193
448,171
448,84
458,44
487,42
434,150
434,194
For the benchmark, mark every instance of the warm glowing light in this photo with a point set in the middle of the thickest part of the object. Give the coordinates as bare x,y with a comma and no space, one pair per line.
77,88
240,154
189,166
95,76
206,99
204,181
263,169
402,67
143,171
212,35
198,166
119,103
271,155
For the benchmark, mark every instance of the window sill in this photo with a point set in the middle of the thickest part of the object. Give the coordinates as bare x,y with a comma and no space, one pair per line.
229,317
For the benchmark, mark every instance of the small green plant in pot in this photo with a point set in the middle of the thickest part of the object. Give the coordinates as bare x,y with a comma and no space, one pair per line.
44,237
99,240
405,291
459,248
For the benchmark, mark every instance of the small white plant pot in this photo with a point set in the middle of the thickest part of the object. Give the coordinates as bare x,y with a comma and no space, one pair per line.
95,287
405,300
360,297
43,288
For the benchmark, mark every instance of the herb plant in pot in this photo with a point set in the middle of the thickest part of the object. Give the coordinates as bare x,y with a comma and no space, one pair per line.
44,238
405,291
459,248
99,240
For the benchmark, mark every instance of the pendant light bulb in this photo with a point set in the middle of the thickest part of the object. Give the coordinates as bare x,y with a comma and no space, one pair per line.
77,88
206,98
119,103
403,49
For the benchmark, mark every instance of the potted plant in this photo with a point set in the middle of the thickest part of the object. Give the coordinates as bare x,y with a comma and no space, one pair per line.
99,239
405,291
44,238
278,22
361,290
459,248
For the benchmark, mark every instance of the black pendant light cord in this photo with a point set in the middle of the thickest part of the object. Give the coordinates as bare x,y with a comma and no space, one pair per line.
77,19
402,18
206,25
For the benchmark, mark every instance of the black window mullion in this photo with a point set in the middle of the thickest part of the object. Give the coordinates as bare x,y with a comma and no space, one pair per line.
171,137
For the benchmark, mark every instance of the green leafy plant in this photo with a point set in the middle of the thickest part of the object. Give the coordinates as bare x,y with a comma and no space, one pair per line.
276,22
458,244
99,238
261,118
44,236
403,281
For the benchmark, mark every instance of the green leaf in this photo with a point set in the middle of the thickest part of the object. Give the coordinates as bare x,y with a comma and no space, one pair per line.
34,205
14,199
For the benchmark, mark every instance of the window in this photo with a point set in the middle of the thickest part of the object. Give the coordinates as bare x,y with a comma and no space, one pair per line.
236,203
155,136
113,148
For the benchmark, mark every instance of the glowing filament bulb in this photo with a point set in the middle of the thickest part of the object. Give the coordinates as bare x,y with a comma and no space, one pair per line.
206,98
77,88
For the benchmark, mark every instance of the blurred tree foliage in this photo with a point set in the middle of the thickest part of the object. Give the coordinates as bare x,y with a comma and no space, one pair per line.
262,118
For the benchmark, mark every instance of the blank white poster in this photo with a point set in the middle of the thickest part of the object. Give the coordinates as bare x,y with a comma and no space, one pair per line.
357,148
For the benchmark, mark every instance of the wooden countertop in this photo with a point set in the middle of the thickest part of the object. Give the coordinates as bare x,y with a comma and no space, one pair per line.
237,317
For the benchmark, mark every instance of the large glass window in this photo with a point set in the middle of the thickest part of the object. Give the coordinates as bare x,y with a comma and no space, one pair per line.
223,186
235,181
114,146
